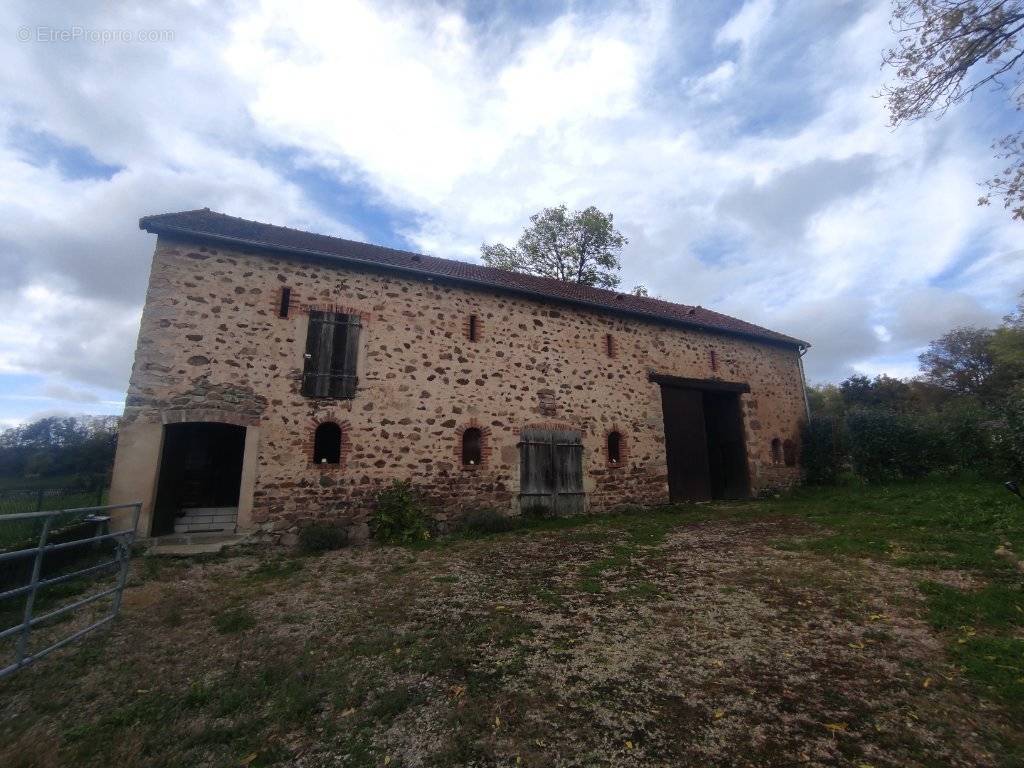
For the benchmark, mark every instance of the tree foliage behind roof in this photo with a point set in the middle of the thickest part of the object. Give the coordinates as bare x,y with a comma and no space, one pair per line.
948,49
578,247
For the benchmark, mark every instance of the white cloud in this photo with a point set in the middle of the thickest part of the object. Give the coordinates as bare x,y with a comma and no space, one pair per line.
747,26
755,175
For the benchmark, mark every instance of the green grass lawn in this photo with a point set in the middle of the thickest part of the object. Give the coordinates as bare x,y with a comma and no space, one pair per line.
952,524
859,626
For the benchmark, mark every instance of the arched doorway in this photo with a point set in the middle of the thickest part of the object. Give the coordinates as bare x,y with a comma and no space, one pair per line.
200,478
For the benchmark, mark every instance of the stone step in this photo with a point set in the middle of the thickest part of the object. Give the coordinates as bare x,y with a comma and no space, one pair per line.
197,519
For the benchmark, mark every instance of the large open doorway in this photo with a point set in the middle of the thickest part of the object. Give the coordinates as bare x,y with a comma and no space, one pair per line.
705,448
200,478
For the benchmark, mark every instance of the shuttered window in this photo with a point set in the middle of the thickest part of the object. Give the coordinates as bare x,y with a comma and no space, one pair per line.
332,349
551,471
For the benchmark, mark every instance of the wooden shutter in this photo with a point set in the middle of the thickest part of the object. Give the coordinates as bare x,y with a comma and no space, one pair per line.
332,350
551,471
346,356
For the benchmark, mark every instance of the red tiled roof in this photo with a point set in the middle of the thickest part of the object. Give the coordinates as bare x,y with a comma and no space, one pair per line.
210,225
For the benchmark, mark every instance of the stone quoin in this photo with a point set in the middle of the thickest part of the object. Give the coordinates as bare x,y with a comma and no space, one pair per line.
253,336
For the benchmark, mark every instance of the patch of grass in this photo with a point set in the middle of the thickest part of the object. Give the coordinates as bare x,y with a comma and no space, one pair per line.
234,620
548,596
640,590
934,523
275,568
996,606
389,704
171,615
996,664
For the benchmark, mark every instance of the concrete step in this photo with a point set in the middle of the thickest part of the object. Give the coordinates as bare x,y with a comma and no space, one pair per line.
190,544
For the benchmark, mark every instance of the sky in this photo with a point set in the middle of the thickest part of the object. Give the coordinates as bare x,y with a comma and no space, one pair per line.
742,148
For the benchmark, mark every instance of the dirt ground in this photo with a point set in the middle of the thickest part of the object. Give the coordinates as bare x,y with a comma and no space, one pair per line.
633,642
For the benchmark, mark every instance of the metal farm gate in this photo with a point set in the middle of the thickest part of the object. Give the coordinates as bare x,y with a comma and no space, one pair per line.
551,472
61,540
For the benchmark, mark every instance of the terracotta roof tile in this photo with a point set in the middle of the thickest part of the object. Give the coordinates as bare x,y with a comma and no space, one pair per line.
210,225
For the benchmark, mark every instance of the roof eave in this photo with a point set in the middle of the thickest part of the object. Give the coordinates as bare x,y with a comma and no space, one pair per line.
158,228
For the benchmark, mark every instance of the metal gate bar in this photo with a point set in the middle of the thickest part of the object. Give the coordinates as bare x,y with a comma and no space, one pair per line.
123,541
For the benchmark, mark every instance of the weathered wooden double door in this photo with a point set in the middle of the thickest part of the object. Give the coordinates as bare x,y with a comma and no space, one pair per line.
551,472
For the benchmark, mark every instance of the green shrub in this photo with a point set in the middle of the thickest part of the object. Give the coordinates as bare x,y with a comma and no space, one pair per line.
1008,436
822,450
888,446
322,536
400,516
484,521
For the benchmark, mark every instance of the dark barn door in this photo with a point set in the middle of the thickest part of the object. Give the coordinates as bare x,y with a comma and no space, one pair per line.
551,471
705,450
727,452
686,445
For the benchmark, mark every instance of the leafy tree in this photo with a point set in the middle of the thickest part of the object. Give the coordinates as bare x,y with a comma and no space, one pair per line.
948,49
825,400
960,361
881,392
81,445
640,290
578,247
1007,345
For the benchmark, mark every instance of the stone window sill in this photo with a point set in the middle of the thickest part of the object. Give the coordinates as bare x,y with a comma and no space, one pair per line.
325,467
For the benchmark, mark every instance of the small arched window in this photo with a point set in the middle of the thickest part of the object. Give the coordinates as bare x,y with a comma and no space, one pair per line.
789,452
614,448
327,443
474,328
776,451
471,453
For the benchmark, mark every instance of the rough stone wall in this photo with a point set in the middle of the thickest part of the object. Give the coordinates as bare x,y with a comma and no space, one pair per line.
211,339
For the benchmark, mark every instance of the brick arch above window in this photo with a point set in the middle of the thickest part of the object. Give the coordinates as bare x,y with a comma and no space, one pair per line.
344,433
478,432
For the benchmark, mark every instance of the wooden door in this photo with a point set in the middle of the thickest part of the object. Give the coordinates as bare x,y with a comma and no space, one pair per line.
727,450
551,472
686,444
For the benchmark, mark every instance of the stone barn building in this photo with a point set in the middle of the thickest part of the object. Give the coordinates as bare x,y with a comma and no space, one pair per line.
282,376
